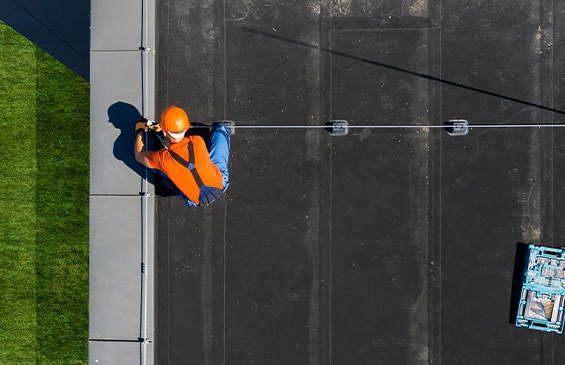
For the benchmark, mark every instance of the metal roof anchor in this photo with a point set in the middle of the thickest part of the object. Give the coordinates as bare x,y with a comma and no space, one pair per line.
457,127
337,127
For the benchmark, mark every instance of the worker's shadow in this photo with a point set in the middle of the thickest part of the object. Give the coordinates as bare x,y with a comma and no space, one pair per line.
202,130
123,117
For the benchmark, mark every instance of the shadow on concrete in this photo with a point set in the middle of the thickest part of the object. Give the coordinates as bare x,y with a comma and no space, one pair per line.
123,116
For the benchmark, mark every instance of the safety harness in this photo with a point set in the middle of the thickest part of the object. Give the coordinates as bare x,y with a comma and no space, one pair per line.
207,193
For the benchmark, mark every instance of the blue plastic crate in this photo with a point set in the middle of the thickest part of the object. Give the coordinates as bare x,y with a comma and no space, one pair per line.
542,298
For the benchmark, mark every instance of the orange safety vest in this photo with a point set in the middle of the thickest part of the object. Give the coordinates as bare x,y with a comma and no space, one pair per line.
187,164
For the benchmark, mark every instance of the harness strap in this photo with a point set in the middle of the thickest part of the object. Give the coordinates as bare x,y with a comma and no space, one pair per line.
210,195
189,164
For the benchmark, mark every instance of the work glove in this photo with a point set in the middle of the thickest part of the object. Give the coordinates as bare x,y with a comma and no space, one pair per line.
154,126
141,125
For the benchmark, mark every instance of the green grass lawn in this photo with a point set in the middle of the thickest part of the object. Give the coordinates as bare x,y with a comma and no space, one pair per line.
44,195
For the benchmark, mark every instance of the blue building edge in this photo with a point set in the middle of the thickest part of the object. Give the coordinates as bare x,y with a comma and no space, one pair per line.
63,31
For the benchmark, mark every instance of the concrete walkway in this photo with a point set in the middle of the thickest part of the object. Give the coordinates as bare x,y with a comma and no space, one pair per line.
122,201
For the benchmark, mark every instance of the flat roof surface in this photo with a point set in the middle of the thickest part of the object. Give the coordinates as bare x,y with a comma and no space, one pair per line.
387,245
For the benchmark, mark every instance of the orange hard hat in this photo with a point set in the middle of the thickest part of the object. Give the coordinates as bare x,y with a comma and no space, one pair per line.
174,119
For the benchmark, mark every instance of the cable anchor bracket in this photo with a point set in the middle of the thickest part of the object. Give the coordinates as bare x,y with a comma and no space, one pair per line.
457,127
337,128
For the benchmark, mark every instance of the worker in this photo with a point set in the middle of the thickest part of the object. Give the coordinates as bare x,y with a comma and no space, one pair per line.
197,174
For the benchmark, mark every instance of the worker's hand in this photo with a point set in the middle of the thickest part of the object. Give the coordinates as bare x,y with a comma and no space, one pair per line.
141,125
154,126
